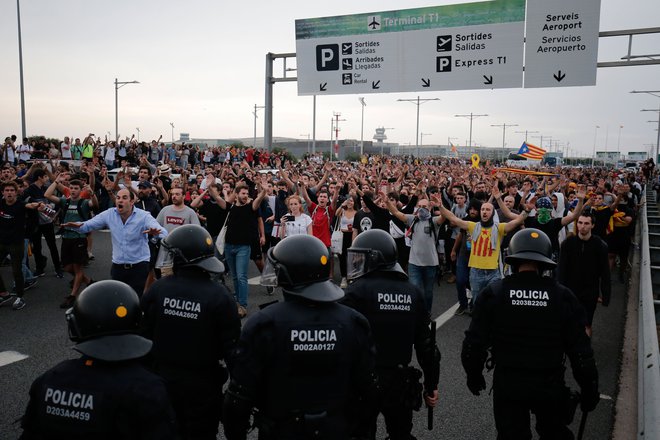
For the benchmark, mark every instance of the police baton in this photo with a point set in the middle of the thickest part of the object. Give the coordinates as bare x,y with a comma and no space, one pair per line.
583,422
429,409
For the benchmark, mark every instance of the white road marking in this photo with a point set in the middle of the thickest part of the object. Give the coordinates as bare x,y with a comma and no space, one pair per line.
9,357
442,319
605,397
254,281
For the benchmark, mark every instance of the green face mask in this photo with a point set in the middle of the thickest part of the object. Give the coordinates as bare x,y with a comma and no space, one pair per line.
543,215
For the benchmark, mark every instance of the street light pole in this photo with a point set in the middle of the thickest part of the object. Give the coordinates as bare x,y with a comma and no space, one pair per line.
655,93
307,140
256,109
20,69
418,102
618,141
421,140
595,137
526,133
471,116
119,85
657,145
172,125
138,130
362,126
504,126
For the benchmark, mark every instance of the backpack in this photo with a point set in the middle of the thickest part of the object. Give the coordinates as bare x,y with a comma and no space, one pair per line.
411,229
84,214
327,214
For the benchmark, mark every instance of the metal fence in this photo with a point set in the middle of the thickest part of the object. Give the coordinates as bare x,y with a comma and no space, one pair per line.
648,414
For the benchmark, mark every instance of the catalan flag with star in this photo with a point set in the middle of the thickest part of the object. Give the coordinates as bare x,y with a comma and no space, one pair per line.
531,151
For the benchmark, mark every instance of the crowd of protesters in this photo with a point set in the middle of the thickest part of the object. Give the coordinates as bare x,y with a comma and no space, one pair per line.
451,221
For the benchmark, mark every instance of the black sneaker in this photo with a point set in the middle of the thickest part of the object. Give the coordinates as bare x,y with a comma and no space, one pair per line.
29,284
460,311
59,274
7,299
39,273
68,302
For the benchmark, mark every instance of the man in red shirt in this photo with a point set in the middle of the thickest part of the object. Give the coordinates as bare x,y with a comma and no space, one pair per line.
322,214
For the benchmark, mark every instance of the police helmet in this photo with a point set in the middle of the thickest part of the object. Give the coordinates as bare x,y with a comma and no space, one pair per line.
104,321
192,245
300,265
530,244
372,250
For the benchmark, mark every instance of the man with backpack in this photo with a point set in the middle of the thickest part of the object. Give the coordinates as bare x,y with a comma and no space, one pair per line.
74,243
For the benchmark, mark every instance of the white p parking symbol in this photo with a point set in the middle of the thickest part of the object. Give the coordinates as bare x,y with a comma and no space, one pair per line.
327,57
443,64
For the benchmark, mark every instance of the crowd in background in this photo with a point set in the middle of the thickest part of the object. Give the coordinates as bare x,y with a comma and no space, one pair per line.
263,197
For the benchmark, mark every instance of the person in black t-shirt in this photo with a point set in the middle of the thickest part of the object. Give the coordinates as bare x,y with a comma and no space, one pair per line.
12,236
602,213
241,230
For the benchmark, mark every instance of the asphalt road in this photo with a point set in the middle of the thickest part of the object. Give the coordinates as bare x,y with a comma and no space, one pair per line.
39,332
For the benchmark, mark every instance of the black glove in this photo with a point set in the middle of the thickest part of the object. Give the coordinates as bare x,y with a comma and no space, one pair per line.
476,383
588,400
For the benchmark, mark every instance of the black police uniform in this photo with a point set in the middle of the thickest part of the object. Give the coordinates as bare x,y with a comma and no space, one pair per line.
530,323
397,314
194,324
302,364
90,399
106,394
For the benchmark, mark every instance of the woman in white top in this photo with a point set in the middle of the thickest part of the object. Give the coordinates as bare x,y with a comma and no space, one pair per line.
295,222
346,215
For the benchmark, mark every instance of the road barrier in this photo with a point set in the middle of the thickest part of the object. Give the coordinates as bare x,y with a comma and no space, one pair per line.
648,400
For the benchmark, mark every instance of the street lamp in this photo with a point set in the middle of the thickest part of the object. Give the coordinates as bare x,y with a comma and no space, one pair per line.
526,133
172,125
20,68
307,140
138,130
421,139
256,109
618,141
364,104
471,116
418,102
119,85
655,93
595,136
504,126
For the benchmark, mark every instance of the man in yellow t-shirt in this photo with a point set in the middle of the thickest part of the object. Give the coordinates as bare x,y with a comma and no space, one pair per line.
484,246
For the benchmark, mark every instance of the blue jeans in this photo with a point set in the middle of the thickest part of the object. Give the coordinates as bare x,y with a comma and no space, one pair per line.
27,273
462,279
237,257
480,278
423,277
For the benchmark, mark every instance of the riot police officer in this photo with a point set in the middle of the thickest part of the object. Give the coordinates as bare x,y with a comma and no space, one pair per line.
397,314
530,322
194,324
107,393
305,362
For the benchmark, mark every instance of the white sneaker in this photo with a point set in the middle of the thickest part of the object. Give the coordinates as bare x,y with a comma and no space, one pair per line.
18,304
344,283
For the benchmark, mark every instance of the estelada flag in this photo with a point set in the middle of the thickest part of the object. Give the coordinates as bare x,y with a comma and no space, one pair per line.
453,148
531,151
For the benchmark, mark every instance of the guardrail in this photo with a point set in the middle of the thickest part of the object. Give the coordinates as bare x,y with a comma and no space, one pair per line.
648,400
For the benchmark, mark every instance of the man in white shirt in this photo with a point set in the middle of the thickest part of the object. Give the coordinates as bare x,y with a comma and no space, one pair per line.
24,150
65,147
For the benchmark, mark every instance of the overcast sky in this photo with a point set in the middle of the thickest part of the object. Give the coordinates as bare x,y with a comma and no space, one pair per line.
201,65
